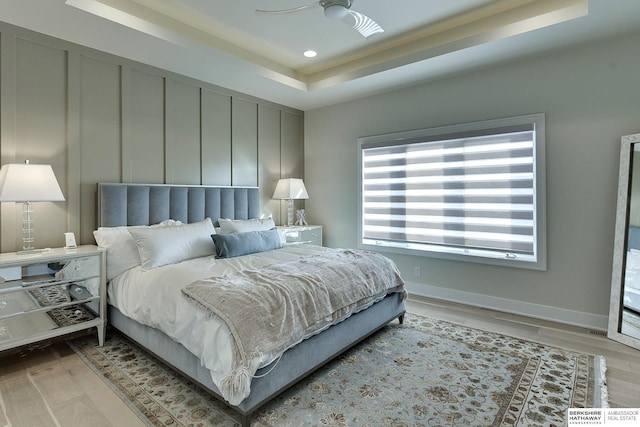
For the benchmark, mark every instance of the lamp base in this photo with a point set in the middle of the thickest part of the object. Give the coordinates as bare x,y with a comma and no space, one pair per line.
290,213
27,228
34,251
28,233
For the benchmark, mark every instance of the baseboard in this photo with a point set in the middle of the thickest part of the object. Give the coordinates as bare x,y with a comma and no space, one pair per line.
555,314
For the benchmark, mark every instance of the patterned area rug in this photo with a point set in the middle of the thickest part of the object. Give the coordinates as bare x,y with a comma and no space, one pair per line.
423,373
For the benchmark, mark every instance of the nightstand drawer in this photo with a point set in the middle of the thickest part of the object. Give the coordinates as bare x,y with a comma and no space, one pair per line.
79,268
311,234
10,273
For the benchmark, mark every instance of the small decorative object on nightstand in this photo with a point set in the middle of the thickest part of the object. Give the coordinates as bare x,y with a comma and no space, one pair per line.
309,234
49,294
301,217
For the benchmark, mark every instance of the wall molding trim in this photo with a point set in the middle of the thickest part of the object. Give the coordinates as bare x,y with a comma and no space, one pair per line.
538,311
97,117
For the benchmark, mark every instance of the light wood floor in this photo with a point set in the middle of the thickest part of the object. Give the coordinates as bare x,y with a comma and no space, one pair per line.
53,387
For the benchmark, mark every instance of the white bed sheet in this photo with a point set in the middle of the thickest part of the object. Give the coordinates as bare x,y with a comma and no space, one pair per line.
154,298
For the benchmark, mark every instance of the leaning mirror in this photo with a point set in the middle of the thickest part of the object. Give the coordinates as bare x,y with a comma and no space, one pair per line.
624,312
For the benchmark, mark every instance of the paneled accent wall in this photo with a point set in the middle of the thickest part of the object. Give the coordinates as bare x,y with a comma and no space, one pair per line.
97,117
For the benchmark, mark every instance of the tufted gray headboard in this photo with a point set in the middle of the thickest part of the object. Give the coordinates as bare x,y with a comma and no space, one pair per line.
145,204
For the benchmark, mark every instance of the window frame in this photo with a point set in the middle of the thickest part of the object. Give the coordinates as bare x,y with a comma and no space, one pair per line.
461,254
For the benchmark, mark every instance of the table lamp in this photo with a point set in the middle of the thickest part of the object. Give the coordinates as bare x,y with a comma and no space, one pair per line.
28,183
290,189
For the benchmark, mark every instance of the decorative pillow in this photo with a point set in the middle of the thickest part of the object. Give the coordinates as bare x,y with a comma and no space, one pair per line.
169,245
237,244
122,252
242,226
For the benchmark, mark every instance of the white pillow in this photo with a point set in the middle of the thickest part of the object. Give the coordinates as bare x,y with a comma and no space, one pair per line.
170,245
122,252
242,226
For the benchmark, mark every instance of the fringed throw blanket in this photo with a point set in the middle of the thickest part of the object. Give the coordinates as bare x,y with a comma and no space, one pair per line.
272,308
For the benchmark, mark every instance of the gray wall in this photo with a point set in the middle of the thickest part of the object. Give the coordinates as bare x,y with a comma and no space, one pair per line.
591,98
96,117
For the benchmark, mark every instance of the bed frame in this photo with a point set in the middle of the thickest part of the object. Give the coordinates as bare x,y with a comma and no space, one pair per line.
142,204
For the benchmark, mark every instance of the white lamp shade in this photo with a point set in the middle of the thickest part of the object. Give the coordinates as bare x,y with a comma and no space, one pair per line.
290,188
29,183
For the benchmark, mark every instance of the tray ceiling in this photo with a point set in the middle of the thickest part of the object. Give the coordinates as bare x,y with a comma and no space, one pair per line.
227,43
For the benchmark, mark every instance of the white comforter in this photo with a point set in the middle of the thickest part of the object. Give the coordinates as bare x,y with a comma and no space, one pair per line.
154,298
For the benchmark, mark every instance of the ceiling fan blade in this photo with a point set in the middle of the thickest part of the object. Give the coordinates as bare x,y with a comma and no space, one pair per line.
363,24
285,11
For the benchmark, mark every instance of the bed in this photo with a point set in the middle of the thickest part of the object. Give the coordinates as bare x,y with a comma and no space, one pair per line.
142,207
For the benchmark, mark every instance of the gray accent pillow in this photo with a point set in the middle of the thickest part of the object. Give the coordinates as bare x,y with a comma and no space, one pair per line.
237,244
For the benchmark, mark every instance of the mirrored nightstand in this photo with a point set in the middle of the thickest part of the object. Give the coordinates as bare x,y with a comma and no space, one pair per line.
49,294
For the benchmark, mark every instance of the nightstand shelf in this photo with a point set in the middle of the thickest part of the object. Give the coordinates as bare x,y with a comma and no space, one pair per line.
49,294
309,234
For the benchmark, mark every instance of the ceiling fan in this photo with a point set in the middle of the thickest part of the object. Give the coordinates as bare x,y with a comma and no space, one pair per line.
337,9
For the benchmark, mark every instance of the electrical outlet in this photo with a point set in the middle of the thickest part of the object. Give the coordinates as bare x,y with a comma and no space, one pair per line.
417,271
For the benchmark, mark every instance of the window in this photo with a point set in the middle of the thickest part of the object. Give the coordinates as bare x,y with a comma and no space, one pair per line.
473,192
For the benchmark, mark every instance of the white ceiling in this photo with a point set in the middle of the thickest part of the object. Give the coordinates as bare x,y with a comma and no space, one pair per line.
226,43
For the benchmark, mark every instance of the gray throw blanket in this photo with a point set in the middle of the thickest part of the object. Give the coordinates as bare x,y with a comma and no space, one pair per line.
272,308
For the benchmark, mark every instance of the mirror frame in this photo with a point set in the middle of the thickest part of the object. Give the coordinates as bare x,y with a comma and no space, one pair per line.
620,244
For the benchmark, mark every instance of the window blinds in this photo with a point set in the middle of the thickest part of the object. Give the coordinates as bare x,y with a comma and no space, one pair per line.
465,192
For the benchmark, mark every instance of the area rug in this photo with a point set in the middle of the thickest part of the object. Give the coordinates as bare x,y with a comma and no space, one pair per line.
424,373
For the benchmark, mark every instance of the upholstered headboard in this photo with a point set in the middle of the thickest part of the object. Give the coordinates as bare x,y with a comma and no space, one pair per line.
146,204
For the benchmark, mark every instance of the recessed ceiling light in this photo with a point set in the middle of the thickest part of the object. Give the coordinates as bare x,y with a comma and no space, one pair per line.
310,53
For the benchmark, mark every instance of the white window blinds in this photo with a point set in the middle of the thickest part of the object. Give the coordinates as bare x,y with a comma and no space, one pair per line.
470,192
